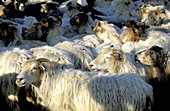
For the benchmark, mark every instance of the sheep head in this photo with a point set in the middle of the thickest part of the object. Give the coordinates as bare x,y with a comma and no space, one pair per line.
79,19
31,71
153,16
154,56
107,56
157,58
137,31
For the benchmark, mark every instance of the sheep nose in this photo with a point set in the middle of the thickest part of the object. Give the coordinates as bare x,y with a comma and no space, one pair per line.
90,67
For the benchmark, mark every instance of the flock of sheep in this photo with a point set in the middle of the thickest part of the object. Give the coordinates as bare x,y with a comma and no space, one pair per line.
85,55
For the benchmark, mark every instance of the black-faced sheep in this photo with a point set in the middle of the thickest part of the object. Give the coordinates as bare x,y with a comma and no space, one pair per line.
9,33
74,90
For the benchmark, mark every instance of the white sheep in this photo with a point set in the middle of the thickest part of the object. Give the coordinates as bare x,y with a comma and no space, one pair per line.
81,55
74,90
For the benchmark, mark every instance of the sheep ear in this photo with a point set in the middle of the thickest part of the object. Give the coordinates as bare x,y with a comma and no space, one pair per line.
142,6
39,26
77,20
116,3
42,67
19,63
46,24
154,55
5,33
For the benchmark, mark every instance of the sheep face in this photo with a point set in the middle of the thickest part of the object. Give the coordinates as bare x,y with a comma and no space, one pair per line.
8,32
109,55
138,30
155,56
154,17
102,30
79,19
30,73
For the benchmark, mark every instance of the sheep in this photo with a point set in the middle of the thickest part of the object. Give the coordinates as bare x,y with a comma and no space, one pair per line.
134,31
81,55
82,22
74,90
60,58
51,31
9,71
15,98
28,28
112,59
105,31
9,33
157,58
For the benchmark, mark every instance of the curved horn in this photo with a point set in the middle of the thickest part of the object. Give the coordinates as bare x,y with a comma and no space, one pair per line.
97,24
122,54
48,62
